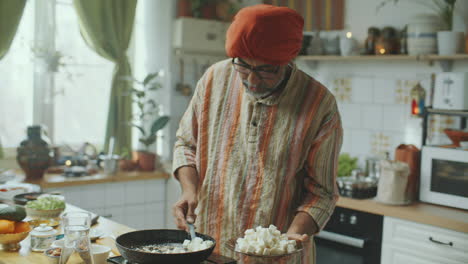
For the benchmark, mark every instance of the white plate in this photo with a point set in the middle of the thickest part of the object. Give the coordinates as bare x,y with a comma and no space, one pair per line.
9,190
95,233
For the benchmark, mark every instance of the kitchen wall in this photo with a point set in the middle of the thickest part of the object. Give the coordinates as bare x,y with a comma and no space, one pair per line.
374,97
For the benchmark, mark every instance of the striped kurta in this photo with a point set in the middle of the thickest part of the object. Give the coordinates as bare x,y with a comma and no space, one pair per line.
260,161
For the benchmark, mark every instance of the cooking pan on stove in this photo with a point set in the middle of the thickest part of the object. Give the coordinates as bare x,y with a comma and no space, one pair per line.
128,242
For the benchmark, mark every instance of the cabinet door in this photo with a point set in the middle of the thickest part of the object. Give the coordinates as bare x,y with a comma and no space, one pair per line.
155,215
396,255
115,213
134,216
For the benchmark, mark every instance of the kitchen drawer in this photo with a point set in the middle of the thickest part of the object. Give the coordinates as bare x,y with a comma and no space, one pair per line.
399,255
425,238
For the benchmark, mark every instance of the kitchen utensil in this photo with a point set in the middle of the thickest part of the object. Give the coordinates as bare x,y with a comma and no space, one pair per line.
357,187
212,259
76,229
192,230
231,245
126,244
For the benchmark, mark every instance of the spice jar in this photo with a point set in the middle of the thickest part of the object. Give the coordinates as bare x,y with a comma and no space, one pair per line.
42,237
373,34
388,42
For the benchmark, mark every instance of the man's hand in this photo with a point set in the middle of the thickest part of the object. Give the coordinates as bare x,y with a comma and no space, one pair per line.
184,210
298,237
302,226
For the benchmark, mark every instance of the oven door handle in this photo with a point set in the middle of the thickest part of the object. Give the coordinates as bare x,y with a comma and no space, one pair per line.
342,239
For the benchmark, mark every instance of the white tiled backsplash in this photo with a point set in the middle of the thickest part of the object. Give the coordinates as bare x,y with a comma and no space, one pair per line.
375,107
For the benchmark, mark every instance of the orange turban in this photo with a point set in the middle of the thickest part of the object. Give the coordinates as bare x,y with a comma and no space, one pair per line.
264,32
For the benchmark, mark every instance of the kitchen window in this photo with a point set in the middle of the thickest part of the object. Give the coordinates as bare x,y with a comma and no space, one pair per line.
50,77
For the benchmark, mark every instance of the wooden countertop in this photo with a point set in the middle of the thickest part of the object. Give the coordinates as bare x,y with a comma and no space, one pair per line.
25,255
424,213
58,180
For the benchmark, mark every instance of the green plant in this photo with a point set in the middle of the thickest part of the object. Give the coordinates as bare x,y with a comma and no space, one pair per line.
444,8
147,109
346,164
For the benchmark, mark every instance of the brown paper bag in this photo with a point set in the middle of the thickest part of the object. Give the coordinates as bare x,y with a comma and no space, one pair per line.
410,155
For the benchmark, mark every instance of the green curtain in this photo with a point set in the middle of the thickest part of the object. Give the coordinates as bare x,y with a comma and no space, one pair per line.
10,16
106,26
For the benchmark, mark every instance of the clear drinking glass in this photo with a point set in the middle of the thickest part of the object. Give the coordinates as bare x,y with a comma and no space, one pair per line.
76,227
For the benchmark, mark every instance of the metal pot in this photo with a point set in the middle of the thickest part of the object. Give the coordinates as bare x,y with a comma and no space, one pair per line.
128,242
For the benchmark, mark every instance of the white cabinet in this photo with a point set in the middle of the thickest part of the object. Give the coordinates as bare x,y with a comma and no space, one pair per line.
409,242
137,204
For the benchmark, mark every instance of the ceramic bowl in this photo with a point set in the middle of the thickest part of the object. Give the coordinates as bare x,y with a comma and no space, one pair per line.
456,136
100,254
35,213
51,258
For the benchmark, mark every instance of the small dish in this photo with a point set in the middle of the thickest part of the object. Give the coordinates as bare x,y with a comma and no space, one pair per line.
95,233
50,222
53,254
231,244
100,254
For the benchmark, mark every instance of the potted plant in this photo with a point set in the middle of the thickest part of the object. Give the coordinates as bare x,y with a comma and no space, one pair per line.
146,119
448,41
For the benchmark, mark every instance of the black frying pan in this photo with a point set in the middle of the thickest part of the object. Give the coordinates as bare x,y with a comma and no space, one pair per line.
127,242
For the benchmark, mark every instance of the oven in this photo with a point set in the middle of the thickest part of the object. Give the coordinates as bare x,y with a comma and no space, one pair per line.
350,237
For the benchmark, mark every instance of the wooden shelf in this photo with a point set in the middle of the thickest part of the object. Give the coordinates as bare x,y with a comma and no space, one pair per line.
446,62
384,58
447,112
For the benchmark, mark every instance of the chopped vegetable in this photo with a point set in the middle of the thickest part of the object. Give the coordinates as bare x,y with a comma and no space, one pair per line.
46,203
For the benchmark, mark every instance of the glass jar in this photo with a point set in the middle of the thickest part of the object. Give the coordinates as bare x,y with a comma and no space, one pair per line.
42,237
373,34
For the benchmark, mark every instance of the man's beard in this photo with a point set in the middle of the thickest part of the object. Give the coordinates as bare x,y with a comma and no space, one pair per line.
262,90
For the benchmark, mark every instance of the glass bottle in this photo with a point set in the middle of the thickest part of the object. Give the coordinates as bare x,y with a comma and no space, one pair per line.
373,34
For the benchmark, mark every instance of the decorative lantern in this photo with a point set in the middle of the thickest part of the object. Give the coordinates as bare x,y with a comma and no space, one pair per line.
418,96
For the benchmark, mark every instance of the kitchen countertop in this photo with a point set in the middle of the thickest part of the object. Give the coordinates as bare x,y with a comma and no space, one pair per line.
26,256
420,212
58,180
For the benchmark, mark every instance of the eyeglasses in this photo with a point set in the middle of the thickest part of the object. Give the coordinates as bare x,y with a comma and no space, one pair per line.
264,72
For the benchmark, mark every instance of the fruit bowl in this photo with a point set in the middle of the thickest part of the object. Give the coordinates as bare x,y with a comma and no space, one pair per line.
10,242
456,136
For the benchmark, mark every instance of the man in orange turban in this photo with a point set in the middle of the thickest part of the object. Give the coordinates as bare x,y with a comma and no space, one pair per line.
259,142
